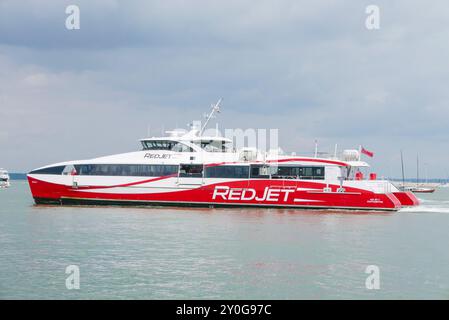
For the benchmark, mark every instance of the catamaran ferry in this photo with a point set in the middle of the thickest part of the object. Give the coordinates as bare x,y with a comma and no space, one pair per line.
194,169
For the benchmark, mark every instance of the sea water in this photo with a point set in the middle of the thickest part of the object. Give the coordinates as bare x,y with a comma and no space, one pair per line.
169,253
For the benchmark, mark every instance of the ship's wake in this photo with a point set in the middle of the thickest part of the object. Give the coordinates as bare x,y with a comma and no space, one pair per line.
429,206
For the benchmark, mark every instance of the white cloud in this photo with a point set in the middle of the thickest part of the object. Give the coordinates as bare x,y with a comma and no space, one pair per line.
36,80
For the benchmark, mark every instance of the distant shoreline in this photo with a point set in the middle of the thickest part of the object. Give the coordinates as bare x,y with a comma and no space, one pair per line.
17,176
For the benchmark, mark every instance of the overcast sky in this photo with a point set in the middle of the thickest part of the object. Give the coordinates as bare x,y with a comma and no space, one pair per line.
310,68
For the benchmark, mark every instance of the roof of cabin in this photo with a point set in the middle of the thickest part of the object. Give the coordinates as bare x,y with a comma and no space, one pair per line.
192,139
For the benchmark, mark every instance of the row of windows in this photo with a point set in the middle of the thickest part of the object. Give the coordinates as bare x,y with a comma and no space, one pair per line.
169,145
50,170
316,173
166,145
132,170
189,170
240,172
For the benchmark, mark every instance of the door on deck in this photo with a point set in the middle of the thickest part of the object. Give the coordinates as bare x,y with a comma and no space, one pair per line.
70,172
190,175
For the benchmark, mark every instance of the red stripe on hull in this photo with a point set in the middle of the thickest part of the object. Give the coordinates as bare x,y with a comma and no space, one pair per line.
248,192
128,184
407,198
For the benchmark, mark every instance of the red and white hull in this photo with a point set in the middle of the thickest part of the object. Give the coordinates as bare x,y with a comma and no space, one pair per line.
168,191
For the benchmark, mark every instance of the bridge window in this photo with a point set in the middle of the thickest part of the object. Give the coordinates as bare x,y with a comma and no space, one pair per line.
236,172
166,145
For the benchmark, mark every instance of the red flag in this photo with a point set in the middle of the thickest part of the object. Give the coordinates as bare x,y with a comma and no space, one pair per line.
366,152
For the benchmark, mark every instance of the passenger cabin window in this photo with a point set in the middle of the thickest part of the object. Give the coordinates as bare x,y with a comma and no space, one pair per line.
299,172
51,170
166,145
260,172
132,170
69,170
236,172
191,171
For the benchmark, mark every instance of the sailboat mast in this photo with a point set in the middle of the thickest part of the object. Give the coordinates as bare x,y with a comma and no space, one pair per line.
403,175
417,170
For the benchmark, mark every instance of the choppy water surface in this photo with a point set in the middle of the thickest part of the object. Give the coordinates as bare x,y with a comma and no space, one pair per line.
167,253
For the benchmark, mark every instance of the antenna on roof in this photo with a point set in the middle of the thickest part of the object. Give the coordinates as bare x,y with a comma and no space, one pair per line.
214,108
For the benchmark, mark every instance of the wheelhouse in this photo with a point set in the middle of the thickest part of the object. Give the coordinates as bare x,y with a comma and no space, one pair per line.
166,145
185,144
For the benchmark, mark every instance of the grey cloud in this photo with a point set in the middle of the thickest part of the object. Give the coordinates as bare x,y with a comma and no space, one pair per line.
309,68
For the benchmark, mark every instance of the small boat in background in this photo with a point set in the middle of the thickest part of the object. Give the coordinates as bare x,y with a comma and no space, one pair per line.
418,188
4,178
421,189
